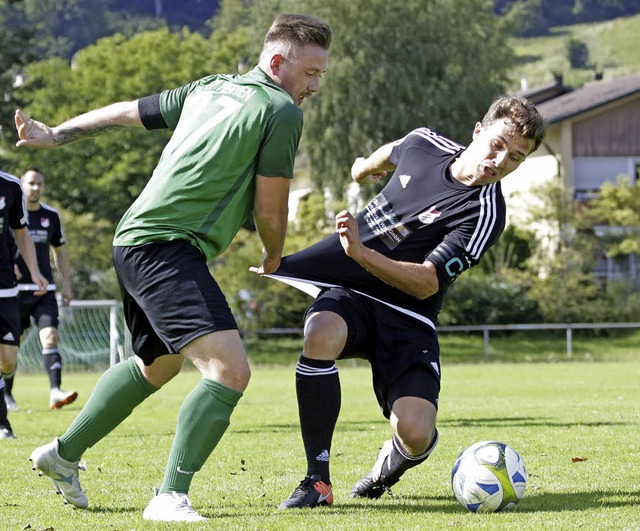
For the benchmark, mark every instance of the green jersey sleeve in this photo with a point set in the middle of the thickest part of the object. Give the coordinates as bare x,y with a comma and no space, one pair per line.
172,101
280,143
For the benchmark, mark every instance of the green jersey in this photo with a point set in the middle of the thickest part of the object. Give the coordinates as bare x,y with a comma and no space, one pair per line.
227,129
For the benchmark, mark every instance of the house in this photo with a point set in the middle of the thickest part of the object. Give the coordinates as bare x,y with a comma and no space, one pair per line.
595,132
593,137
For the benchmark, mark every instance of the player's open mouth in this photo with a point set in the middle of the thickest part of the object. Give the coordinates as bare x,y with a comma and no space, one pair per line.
486,170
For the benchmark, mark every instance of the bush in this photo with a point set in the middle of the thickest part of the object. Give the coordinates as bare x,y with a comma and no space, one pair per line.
477,298
577,53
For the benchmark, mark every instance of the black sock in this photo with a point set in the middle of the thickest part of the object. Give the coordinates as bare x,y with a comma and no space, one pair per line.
4,421
8,384
400,461
52,362
318,390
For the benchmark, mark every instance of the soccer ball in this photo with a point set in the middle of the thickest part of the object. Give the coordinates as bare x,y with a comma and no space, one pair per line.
489,476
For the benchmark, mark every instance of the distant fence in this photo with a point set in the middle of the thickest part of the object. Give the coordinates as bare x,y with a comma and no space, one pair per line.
487,328
93,335
568,327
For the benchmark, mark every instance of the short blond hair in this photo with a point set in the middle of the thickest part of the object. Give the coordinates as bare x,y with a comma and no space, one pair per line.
290,31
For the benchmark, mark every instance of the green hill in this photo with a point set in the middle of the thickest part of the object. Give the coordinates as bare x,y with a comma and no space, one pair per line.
613,50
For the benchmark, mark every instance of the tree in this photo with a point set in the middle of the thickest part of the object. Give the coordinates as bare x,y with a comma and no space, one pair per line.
234,49
497,291
524,17
562,268
66,26
16,50
617,210
577,53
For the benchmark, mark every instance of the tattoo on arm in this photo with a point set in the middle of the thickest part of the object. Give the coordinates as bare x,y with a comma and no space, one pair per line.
71,134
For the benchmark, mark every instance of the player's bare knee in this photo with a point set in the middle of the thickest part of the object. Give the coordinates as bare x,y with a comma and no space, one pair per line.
416,437
162,370
325,335
231,371
49,337
237,377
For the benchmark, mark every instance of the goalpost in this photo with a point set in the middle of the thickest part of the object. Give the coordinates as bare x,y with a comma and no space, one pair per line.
91,336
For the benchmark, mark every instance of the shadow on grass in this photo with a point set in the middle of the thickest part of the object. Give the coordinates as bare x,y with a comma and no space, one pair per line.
358,426
531,503
343,425
110,509
527,421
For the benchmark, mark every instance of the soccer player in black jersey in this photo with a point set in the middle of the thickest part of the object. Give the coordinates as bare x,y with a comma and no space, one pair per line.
46,232
381,279
13,231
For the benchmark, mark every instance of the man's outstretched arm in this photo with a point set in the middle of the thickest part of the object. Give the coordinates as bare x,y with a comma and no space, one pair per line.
35,134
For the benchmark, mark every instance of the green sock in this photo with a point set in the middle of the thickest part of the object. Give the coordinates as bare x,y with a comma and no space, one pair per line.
118,391
202,421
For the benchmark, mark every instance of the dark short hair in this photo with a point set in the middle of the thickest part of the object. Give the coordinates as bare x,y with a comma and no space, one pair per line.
299,30
521,114
33,169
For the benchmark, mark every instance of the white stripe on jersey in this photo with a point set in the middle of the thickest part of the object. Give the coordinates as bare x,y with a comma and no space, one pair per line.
9,292
50,208
35,287
310,287
10,177
441,142
486,221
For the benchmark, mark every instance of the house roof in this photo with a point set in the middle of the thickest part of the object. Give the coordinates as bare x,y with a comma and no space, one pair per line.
588,97
544,93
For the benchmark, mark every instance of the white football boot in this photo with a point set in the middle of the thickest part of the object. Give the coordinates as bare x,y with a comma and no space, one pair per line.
171,507
63,474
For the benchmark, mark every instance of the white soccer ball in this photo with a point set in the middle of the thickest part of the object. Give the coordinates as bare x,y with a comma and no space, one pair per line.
489,476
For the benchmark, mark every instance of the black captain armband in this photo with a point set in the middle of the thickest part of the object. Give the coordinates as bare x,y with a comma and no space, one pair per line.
150,115
450,261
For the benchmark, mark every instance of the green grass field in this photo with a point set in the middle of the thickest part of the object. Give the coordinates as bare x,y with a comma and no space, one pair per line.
549,412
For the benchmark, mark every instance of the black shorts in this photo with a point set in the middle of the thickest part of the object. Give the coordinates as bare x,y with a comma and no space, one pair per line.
43,309
9,321
169,297
403,352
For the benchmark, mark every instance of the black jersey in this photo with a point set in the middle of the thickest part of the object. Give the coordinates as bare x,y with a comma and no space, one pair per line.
45,229
421,210
13,215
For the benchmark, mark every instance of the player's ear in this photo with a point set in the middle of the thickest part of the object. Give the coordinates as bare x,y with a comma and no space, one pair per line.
276,61
477,129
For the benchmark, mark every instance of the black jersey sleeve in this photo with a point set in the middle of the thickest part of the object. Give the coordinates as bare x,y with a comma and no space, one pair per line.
150,114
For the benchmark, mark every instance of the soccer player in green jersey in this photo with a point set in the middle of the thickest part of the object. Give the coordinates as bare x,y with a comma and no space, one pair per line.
232,153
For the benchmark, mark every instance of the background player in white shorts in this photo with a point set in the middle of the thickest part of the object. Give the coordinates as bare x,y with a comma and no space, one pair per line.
13,231
45,229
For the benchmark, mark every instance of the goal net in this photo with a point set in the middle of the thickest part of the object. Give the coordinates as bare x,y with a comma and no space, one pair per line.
92,336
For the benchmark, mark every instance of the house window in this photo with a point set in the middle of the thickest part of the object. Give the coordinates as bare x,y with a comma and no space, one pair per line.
586,194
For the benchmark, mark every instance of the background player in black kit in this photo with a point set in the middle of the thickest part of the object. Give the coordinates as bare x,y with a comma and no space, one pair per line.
46,232
382,277
13,217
